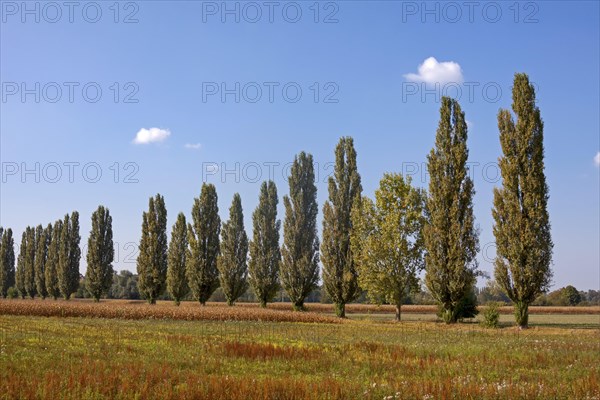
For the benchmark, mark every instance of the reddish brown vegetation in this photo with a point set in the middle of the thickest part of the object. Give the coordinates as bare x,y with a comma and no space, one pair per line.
162,382
164,310
267,351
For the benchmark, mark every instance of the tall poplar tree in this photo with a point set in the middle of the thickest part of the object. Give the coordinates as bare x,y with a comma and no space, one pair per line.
203,236
43,237
30,250
100,254
7,261
152,259
265,254
522,225
176,260
451,238
300,266
51,272
20,272
340,278
233,260
69,256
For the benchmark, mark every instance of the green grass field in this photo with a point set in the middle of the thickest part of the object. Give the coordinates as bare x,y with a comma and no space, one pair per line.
366,357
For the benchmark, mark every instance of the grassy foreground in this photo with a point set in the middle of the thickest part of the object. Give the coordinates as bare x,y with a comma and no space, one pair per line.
99,358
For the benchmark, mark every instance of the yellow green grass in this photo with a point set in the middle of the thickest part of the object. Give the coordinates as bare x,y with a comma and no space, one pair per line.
98,358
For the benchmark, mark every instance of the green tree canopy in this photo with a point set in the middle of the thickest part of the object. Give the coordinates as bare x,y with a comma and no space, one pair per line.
340,278
451,239
387,240
152,258
100,254
265,254
300,267
204,249
522,225
233,260
176,260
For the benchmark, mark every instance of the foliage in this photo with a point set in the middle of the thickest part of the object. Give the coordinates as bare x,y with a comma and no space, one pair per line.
300,251
69,256
566,296
20,271
451,238
124,286
522,225
29,259
43,238
100,254
491,292
52,262
491,315
233,260
152,258
7,261
340,278
203,236
265,254
387,241
176,260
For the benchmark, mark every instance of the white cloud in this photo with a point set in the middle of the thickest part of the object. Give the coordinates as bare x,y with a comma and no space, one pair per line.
432,72
597,159
470,124
193,146
152,135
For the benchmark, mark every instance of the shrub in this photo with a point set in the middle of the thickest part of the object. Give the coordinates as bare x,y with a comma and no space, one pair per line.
12,293
491,315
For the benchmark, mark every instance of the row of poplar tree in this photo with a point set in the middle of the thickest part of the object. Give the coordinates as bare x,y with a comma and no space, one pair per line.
379,245
48,261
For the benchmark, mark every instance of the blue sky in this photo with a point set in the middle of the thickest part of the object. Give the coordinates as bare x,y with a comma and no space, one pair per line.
164,65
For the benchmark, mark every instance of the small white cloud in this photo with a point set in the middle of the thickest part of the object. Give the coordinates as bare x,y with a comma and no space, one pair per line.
152,135
470,124
597,159
432,72
193,146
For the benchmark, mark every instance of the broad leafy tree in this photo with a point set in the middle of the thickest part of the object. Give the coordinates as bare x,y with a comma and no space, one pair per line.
387,240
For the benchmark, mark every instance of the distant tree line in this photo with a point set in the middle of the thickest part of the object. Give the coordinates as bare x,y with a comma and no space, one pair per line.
124,286
370,247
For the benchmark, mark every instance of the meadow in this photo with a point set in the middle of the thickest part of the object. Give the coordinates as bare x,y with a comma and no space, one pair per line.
244,352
